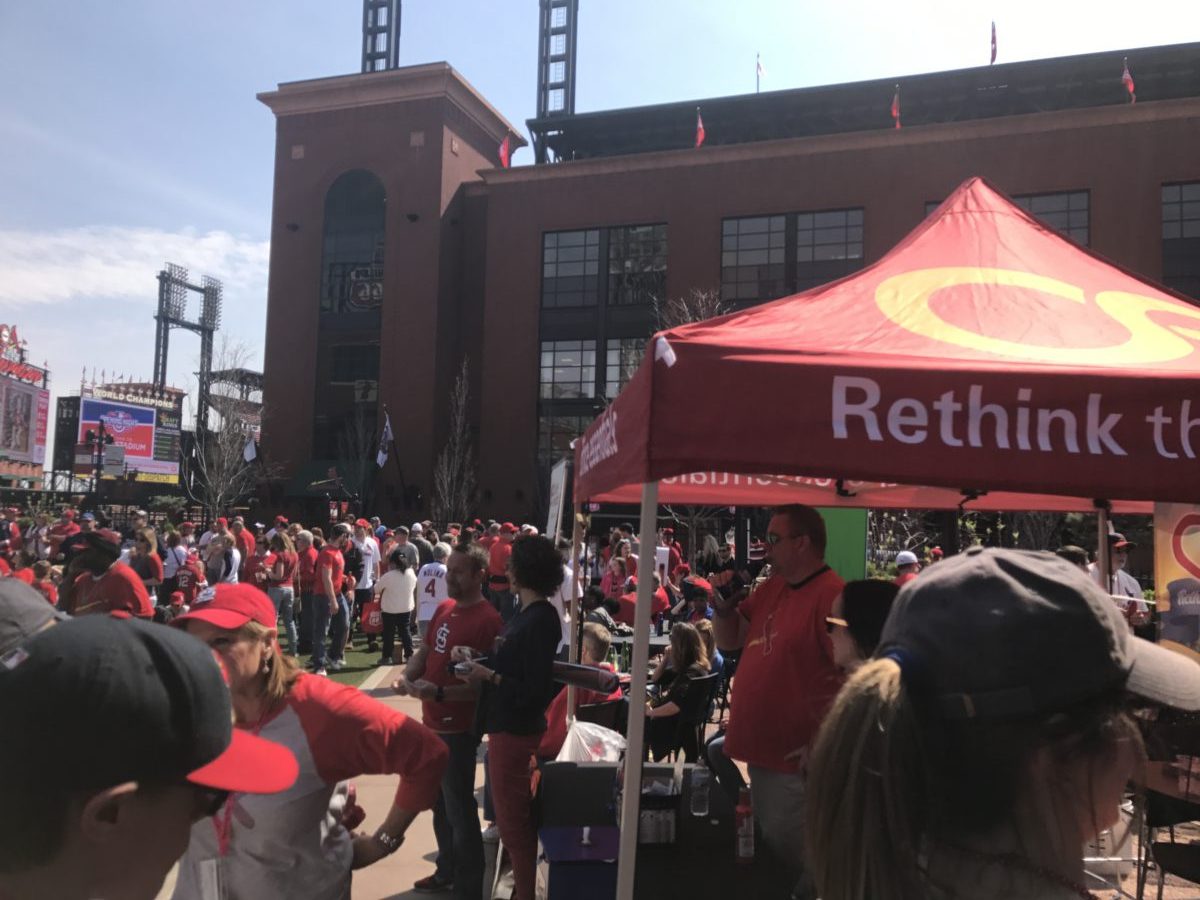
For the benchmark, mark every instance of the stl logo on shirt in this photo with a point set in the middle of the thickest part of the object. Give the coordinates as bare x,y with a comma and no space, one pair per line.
442,638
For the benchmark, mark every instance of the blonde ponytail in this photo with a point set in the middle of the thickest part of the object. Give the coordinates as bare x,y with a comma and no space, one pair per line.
865,791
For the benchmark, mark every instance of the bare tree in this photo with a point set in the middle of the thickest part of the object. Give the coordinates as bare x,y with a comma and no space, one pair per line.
454,475
695,306
216,474
357,445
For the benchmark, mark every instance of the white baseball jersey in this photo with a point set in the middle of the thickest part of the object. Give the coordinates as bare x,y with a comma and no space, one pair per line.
431,589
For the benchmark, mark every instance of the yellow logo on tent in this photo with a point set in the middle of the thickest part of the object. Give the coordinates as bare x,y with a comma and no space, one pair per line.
904,299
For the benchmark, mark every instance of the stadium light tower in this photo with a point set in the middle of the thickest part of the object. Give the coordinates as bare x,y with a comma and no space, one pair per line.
558,31
381,35
173,288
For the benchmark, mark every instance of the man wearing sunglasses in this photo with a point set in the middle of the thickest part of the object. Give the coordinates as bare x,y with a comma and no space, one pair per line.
786,677
120,736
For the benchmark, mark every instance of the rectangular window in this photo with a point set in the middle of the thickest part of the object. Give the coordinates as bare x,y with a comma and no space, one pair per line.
557,100
637,264
828,245
568,370
558,17
558,44
557,71
555,434
354,362
570,268
1064,212
752,258
1181,237
622,356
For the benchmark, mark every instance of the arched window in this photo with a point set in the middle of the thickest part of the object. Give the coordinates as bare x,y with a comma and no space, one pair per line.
352,250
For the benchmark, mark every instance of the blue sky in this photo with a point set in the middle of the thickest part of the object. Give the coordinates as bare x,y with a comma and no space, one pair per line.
130,134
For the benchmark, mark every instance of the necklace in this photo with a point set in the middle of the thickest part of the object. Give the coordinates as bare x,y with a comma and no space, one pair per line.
1017,861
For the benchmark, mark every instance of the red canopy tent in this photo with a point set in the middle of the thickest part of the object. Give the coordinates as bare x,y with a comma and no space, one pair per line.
985,352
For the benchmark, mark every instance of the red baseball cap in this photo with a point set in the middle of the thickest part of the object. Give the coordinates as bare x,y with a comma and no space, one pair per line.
68,514
281,520
508,528
177,598
362,523
223,522
186,526
230,606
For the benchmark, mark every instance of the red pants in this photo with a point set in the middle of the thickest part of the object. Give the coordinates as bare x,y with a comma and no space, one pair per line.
508,769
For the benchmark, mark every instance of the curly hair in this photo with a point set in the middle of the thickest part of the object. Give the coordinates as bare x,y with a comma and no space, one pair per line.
536,564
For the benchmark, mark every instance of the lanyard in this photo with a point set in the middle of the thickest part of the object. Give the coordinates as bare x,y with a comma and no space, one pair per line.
223,820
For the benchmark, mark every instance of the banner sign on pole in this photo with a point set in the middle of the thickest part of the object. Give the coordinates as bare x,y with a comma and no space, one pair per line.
558,492
1177,571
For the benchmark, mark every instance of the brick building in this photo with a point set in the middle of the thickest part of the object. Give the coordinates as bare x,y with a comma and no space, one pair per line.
399,249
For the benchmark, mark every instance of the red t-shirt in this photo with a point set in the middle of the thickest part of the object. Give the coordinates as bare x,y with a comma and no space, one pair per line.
499,554
555,734
290,563
902,580
453,626
189,578
5,568
486,541
307,569
786,679
245,545
329,559
255,566
119,588
59,533
48,590
659,604
25,575
154,567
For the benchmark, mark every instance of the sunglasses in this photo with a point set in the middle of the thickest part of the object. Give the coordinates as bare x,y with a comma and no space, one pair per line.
832,622
774,539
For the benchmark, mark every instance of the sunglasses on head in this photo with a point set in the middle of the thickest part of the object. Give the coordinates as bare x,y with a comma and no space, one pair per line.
832,622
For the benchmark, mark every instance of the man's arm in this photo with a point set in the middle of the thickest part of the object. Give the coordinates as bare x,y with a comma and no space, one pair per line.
327,583
729,624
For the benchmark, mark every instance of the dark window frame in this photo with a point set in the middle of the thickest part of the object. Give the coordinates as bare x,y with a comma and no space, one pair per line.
353,242
1180,214
811,230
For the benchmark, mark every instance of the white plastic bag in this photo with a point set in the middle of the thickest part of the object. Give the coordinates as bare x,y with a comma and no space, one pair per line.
589,742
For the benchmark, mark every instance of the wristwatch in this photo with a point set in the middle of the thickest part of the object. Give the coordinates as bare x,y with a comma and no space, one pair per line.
440,694
389,843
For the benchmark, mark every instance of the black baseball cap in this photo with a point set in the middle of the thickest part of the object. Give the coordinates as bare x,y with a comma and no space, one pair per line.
994,633
100,700
1117,541
23,613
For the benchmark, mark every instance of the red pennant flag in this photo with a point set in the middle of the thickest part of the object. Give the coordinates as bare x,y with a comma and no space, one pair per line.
699,128
896,106
1127,80
505,152
993,44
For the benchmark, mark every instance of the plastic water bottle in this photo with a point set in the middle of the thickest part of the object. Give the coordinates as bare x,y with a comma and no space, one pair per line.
743,817
700,783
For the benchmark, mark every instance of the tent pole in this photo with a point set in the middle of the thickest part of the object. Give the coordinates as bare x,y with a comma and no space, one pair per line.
575,592
632,782
1102,556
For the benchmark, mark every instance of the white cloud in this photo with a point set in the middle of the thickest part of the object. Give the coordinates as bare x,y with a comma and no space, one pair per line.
55,266
85,298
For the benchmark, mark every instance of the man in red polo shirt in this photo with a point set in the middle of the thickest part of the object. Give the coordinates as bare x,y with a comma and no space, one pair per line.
498,556
786,652
467,619
660,602
98,582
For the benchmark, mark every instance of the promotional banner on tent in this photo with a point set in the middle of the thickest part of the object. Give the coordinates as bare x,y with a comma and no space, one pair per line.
1177,571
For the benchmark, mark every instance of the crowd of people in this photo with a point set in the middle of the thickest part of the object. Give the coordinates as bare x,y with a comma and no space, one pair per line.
968,704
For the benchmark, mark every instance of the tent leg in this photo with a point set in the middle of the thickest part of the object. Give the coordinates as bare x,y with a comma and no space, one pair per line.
576,591
632,783
1103,563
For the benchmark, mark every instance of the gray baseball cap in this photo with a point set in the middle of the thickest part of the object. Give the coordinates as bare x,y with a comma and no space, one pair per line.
23,612
994,633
